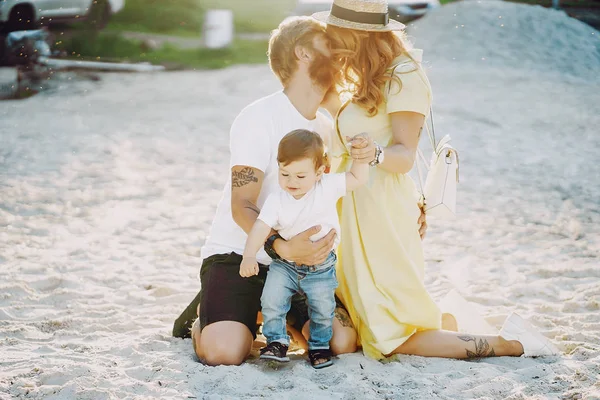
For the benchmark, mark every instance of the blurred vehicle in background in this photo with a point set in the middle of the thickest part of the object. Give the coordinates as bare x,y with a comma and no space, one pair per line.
18,15
401,10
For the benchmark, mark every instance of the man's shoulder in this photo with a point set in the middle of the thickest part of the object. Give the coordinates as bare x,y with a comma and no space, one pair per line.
324,121
256,115
264,104
323,116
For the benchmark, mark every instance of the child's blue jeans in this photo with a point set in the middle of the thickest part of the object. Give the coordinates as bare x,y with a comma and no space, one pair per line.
318,282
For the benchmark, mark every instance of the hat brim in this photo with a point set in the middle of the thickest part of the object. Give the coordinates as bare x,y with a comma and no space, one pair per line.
326,17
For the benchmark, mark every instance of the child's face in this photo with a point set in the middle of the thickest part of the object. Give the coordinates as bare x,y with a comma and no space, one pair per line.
298,177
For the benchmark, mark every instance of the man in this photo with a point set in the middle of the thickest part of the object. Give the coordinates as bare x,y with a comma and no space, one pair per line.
228,304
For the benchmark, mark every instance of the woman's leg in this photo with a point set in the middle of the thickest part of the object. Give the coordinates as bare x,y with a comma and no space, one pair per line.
446,344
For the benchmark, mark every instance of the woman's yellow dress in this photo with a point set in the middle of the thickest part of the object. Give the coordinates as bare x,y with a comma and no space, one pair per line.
381,266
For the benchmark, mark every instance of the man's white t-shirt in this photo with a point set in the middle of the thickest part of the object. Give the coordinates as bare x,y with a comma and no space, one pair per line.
290,216
254,141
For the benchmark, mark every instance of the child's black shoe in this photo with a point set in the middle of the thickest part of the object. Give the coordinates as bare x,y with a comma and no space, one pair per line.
320,358
275,351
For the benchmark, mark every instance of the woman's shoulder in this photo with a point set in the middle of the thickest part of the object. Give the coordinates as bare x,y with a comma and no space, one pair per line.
407,62
409,89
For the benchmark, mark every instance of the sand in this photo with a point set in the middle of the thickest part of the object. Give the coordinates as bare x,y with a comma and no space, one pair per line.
107,191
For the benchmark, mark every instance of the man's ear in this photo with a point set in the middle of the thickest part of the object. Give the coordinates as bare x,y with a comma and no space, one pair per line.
302,53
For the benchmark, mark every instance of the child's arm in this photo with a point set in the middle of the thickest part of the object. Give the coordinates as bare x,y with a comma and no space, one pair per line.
359,172
256,240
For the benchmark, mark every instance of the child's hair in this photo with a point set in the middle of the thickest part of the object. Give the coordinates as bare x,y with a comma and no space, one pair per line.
300,144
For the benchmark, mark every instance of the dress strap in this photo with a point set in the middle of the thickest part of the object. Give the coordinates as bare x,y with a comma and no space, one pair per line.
337,126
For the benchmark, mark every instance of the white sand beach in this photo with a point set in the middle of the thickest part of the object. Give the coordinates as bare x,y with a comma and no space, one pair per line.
107,192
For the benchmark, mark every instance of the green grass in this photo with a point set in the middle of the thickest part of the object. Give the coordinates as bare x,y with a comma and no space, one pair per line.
160,16
254,15
185,17
181,18
112,47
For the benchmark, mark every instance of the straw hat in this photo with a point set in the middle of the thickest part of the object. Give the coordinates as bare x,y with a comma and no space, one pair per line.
363,15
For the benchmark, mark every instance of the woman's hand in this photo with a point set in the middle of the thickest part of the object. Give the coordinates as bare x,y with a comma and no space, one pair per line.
303,251
363,148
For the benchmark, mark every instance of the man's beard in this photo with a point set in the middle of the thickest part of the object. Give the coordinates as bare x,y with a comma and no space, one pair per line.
321,71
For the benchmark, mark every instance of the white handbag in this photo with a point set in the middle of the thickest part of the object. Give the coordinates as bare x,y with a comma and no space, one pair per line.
439,192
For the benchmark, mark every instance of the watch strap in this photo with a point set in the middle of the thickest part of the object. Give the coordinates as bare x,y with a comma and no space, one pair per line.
378,153
269,246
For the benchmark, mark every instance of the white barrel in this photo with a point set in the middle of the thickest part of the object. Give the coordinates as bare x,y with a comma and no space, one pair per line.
218,28
9,82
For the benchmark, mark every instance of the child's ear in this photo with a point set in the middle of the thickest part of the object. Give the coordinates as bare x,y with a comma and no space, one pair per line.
320,172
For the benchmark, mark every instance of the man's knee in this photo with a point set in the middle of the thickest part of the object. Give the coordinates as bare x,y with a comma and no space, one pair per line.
343,343
344,335
222,354
223,343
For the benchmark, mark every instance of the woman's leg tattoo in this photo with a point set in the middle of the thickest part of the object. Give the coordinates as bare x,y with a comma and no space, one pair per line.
482,347
343,317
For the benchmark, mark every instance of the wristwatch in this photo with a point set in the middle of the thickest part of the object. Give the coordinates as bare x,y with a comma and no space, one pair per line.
378,155
269,246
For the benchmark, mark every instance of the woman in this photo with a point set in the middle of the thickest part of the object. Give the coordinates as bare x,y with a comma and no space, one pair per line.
381,265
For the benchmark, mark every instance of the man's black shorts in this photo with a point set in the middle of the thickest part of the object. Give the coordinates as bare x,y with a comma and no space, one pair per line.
226,296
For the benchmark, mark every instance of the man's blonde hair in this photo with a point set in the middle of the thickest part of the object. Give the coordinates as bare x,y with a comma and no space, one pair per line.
292,32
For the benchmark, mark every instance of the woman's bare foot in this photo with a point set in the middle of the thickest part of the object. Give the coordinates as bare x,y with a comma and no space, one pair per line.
449,322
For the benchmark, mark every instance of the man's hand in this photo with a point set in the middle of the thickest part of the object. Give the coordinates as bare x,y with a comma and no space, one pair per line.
249,267
422,222
363,148
301,250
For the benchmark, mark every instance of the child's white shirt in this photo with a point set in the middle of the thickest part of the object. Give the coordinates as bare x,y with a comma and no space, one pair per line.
290,216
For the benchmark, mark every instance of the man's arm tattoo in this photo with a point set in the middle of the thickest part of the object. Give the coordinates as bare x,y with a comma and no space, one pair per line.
252,207
482,347
243,177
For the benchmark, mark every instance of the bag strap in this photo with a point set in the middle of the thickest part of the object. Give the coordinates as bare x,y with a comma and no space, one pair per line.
430,133
417,162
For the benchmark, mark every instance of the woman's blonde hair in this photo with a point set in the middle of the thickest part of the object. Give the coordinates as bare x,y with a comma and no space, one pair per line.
364,59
